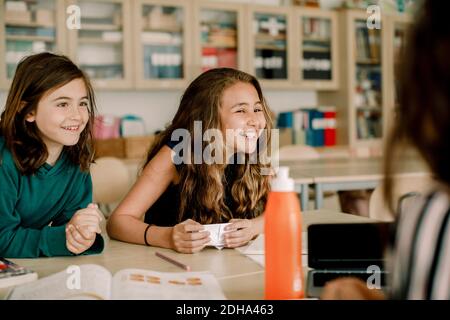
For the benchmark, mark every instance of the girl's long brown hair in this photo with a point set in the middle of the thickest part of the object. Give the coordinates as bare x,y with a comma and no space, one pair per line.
423,116
35,76
202,185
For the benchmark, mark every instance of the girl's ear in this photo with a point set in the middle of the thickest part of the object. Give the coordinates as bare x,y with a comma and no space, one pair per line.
30,117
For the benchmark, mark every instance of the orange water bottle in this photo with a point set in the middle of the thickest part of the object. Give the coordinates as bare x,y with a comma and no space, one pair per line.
283,240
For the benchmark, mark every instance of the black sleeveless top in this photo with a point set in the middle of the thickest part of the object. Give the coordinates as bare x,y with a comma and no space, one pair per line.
164,212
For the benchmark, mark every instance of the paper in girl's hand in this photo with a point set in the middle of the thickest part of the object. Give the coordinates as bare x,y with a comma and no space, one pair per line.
216,233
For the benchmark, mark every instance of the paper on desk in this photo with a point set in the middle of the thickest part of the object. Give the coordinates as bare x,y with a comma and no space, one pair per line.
255,250
216,233
257,246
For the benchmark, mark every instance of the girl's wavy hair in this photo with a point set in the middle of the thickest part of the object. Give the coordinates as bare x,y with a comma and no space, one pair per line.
38,75
202,185
423,115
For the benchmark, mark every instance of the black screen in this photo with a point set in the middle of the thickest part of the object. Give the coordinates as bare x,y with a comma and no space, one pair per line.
347,245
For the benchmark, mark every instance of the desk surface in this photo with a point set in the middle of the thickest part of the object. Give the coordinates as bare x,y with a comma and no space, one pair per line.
341,170
239,276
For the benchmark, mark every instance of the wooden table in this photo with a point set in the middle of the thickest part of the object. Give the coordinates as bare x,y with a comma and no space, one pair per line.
239,276
347,173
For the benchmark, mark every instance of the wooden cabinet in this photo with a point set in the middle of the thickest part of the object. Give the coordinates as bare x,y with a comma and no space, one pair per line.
361,99
157,44
219,32
315,49
102,46
28,28
269,40
164,44
162,29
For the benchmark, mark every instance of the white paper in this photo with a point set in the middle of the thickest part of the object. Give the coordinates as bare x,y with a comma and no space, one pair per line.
216,233
255,250
94,283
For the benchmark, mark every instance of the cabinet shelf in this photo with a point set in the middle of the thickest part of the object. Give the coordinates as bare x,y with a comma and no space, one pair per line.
29,38
168,30
98,41
218,46
29,24
266,37
269,48
100,27
317,39
368,62
316,50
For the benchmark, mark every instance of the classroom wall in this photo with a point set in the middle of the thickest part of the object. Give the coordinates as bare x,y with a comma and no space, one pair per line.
158,107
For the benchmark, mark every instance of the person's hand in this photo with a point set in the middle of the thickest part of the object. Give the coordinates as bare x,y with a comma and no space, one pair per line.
239,232
349,289
82,228
188,237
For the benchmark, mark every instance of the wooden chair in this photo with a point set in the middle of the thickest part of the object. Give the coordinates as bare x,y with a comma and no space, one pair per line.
111,182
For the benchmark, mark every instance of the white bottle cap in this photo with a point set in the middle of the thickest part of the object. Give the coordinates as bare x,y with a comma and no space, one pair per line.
282,183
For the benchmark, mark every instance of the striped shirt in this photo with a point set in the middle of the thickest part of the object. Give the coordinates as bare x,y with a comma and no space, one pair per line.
421,253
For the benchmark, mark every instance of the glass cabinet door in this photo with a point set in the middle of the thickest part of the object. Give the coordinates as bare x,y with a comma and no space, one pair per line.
101,46
318,53
269,45
27,28
368,93
219,36
161,44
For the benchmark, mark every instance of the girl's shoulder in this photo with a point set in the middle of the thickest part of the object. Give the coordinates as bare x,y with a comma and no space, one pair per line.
6,158
7,164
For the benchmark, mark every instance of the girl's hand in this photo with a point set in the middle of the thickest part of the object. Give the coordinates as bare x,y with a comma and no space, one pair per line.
78,239
91,217
350,289
188,237
239,233
82,228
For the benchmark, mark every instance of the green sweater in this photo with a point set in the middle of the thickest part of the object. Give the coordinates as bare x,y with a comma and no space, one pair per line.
29,204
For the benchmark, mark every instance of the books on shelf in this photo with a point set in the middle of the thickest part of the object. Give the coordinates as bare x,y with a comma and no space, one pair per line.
368,43
315,127
94,282
368,124
12,274
218,57
316,28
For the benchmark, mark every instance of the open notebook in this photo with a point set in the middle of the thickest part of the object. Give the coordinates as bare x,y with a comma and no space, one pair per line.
96,282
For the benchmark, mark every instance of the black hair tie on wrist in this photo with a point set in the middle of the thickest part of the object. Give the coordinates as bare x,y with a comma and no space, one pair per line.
145,236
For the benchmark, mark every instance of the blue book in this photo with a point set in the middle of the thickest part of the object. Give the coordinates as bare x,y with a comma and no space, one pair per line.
285,120
318,128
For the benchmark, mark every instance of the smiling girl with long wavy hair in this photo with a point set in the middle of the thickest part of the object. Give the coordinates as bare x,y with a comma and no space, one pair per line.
177,192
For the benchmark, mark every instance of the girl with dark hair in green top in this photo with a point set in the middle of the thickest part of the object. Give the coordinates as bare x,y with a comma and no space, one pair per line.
45,153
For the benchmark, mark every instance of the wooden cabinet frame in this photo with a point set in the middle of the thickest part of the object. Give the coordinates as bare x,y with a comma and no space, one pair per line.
126,82
301,13
239,9
60,38
251,10
140,81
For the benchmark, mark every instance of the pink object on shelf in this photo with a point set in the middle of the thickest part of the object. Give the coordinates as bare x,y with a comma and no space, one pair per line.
106,127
